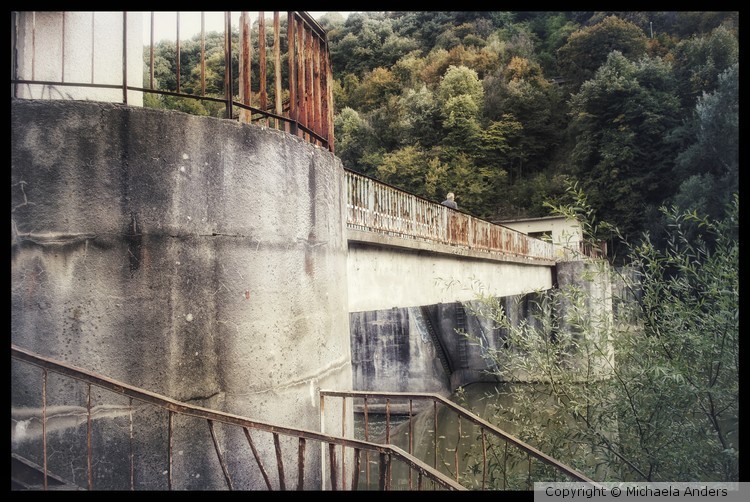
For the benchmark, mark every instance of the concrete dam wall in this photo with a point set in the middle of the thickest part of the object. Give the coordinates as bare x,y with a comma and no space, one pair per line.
426,349
194,257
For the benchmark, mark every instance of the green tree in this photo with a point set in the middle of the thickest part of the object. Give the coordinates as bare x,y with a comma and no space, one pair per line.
709,165
352,134
422,120
460,98
620,121
588,48
388,124
375,89
460,120
407,70
521,90
406,168
459,80
651,393
498,142
472,184
698,62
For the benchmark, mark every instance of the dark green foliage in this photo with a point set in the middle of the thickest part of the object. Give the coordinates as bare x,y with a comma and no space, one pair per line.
587,49
621,119
708,164
698,62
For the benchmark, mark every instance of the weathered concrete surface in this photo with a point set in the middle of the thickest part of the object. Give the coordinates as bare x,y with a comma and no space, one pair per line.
385,277
392,349
194,257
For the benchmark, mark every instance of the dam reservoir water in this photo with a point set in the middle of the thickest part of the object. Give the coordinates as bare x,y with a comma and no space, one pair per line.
458,442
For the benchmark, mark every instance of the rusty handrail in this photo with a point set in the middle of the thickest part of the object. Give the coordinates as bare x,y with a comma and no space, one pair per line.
309,84
375,206
390,452
485,426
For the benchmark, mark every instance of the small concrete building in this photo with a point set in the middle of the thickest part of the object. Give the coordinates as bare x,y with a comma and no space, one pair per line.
561,231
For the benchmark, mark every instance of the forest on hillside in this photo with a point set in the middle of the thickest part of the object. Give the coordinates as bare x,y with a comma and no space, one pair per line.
506,109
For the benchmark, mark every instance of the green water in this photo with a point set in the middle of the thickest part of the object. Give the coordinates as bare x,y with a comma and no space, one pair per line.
456,450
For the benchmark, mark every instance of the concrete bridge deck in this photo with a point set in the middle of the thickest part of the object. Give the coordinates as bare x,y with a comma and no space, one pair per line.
405,251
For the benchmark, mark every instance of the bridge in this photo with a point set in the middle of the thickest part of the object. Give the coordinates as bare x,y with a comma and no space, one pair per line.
216,261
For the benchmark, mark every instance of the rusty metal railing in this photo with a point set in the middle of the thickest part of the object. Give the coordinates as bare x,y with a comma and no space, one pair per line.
307,111
494,441
374,206
388,454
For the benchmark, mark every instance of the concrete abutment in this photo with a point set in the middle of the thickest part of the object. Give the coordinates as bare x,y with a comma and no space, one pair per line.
194,257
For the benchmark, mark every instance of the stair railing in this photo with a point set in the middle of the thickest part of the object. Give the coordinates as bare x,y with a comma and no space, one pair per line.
389,455
367,403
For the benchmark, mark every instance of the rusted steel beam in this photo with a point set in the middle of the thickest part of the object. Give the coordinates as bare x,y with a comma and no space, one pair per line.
411,434
472,418
228,93
219,455
309,88
89,452
455,450
343,434
332,460
169,453
484,459
388,471
357,467
132,450
301,104
291,37
435,429
257,458
367,454
44,425
279,461
387,420
262,60
301,465
382,472
277,67
311,23
246,59
329,99
391,211
172,407
317,105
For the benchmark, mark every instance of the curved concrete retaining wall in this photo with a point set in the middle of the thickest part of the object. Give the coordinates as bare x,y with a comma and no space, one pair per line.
194,257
